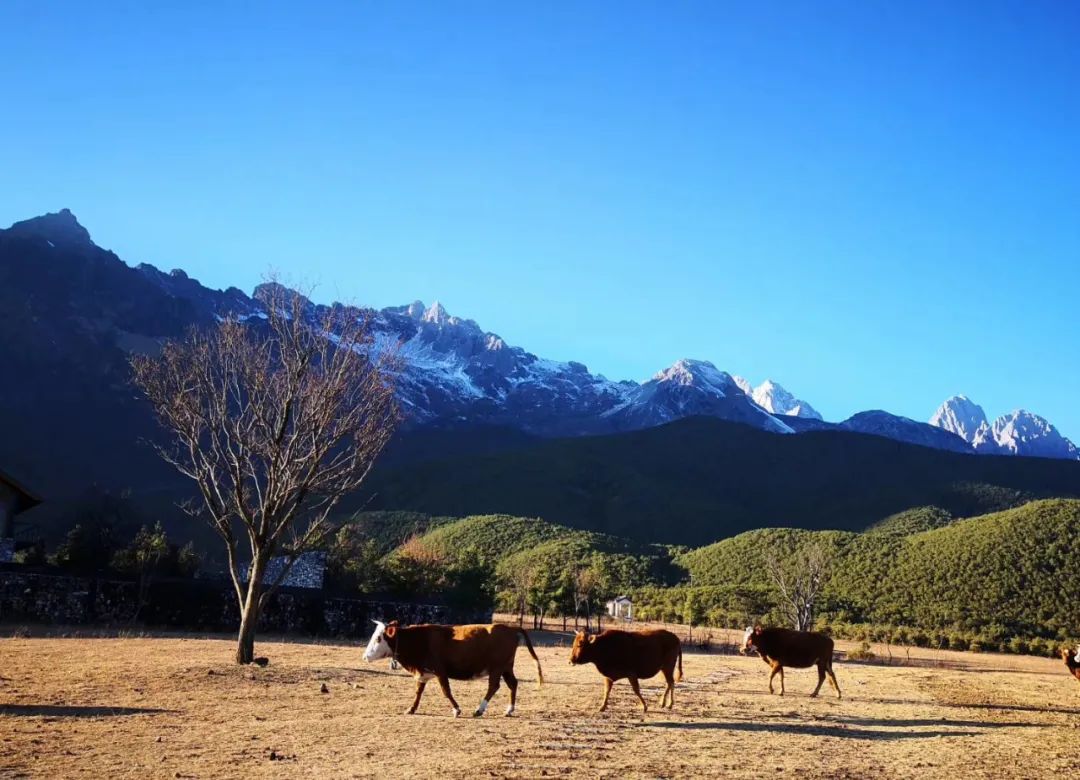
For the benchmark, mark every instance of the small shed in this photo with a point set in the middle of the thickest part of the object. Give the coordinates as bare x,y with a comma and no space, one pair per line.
15,498
621,607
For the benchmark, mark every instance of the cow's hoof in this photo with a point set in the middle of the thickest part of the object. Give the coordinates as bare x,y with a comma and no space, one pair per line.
457,713
478,714
509,711
410,712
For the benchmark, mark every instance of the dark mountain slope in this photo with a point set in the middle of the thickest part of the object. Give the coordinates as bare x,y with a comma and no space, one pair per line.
702,479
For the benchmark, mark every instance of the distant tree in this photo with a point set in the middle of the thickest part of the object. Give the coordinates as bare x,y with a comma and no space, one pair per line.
586,581
354,562
275,421
86,547
97,518
418,568
799,580
693,612
142,558
516,576
187,560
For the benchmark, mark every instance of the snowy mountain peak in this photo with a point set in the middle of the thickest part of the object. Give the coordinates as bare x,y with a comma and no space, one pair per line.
773,398
697,372
436,314
962,416
1017,433
1024,433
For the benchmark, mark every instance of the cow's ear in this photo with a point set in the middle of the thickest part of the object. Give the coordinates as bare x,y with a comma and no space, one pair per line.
391,630
592,638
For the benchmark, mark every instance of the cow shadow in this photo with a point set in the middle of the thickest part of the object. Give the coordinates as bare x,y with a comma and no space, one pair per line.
73,711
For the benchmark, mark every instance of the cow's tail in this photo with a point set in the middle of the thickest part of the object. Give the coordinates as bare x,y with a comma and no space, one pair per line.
529,647
678,677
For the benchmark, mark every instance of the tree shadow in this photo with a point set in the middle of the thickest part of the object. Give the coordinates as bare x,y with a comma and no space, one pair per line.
61,711
974,706
830,696
812,730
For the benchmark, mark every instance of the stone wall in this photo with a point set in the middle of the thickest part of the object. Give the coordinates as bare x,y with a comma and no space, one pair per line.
42,597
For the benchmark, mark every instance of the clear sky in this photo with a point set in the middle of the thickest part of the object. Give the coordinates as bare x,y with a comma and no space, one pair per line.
876,204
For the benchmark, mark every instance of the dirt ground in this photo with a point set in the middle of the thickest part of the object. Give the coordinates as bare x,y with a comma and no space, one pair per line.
176,708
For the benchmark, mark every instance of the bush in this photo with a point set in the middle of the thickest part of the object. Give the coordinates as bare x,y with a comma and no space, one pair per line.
1019,646
862,653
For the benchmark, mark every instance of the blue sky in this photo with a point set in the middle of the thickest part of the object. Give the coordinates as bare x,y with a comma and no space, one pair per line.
876,204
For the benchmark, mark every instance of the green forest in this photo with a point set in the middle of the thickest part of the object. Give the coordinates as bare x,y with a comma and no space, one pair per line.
1006,581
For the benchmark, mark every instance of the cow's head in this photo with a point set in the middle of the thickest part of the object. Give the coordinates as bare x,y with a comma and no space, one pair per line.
379,644
750,639
581,652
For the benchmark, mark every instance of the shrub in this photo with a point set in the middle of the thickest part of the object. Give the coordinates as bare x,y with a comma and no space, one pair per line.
862,653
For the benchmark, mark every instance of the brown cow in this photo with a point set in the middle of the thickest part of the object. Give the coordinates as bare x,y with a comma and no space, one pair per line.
635,655
453,653
1071,661
780,647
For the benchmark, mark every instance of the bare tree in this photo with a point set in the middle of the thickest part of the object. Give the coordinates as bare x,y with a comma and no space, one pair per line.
275,418
799,581
586,581
517,576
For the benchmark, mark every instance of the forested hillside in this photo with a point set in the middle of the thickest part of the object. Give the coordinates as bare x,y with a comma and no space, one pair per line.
996,581
702,479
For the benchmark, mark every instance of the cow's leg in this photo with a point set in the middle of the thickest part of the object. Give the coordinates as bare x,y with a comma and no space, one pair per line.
444,683
493,685
511,683
607,693
637,690
820,678
832,681
781,680
775,671
420,683
669,690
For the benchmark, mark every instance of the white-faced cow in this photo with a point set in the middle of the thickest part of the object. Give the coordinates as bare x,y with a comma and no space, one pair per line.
453,653
635,655
1072,662
780,647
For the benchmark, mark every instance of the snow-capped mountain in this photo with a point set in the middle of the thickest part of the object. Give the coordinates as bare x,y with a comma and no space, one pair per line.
774,399
1024,433
692,387
1017,433
961,416
73,312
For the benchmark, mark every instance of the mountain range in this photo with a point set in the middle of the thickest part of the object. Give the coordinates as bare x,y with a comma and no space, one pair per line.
74,311
1017,433
71,313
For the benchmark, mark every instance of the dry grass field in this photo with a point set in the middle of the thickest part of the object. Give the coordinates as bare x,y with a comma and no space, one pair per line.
176,708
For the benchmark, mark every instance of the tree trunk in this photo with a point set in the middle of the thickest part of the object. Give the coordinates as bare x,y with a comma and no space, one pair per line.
249,612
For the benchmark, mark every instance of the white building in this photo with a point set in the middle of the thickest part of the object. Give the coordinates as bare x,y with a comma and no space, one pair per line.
621,608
